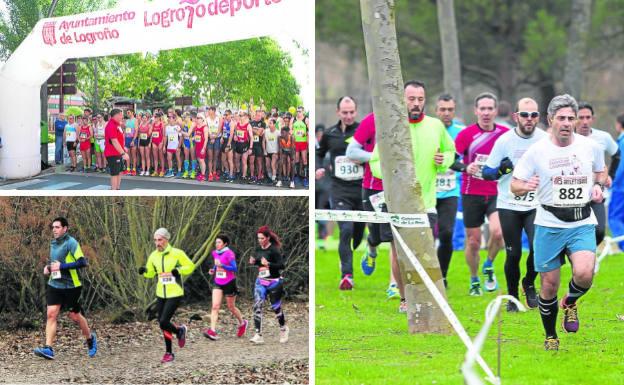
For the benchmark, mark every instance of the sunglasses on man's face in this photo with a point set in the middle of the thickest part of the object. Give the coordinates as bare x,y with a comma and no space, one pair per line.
532,115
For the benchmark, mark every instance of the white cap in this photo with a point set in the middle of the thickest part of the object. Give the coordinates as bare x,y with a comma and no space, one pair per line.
163,233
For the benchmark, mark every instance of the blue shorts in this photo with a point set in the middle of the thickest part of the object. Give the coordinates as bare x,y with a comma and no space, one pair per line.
214,146
129,141
550,242
187,143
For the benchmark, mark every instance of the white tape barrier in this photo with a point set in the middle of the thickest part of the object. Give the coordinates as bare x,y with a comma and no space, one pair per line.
607,249
444,306
399,220
473,353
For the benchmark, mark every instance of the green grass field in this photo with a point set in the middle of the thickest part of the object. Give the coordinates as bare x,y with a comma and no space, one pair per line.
362,339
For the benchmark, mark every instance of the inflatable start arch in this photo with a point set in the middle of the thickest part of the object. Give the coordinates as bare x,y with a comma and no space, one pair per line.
139,27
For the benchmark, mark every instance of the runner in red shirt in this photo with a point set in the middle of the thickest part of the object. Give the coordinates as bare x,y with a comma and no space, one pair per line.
86,132
114,150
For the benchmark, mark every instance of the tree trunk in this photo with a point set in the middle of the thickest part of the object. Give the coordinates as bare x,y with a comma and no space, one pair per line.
402,190
451,64
577,43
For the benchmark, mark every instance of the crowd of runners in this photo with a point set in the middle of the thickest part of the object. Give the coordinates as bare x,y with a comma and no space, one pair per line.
250,146
168,265
507,176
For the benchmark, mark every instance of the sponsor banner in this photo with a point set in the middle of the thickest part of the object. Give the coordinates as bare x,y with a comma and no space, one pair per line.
399,220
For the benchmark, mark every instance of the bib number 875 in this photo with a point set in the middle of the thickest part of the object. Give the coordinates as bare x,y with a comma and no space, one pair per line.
571,193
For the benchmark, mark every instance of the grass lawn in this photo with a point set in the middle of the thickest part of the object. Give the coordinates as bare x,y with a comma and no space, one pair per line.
362,339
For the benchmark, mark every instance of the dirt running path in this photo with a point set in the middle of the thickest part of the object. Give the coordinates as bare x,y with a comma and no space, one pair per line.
130,353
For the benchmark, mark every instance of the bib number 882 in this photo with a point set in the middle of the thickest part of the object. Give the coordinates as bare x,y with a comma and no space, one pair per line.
571,193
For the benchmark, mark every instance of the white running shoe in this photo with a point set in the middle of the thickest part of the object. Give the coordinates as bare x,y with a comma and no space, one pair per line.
257,339
284,334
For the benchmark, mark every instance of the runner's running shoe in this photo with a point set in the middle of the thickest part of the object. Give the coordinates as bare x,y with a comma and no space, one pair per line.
168,357
551,344
210,177
292,184
475,289
305,182
347,282
279,183
403,307
570,316
211,334
169,174
368,263
185,175
284,334
45,352
179,174
134,172
92,345
531,296
490,283
392,291
242,328
193,174
182,329
257,339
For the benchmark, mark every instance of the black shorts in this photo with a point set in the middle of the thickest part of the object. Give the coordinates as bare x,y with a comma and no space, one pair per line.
476,208
144,142
115,164
257,149
229,289
71,146
67,298
377,232
241,147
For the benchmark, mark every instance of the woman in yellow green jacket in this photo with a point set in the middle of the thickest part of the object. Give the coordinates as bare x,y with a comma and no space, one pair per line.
169,264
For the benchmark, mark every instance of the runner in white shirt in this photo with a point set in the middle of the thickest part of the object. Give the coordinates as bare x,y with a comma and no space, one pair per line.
607,144
516,212
566,171
172,136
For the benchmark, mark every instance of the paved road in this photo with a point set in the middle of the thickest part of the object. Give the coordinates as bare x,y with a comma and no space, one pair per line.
51,180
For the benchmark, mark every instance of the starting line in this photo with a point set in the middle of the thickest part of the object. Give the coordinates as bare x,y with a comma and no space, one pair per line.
419,220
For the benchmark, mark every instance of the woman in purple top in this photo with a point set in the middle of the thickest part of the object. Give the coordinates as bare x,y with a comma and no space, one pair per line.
224,271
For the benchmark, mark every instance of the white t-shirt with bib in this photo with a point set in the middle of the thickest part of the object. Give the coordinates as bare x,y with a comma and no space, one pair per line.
565,174
513,146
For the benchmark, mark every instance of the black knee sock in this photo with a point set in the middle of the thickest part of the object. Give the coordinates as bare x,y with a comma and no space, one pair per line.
548,310
279,314
574,292
168,338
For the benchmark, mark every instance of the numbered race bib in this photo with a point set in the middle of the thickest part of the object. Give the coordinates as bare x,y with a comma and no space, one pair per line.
446,181
173,137
256,138
71,136
345,169
300,133
264,272
480,161
526,200
143,136
128,130
83,136
377,201
571,191
198,139
220,273
166,278
56,274
155,134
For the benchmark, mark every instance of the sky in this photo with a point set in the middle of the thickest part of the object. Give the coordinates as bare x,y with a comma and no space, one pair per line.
302,69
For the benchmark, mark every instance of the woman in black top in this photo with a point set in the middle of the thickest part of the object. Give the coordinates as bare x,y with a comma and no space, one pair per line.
268,258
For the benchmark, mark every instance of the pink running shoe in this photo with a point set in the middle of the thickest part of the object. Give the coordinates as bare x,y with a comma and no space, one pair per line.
211,334
347,282
242,328
168,357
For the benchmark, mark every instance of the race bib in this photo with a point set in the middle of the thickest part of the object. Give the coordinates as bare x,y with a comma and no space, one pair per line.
56,274
570,191
83,136
128,130
240,134
166,278
71,136
264,272
446,181
198,139
480,161
377,201
221,273
155,134
300,133
143,136
526,200
173,137
256,138
346,169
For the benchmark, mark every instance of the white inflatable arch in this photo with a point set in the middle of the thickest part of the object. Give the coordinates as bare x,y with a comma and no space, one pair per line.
134,27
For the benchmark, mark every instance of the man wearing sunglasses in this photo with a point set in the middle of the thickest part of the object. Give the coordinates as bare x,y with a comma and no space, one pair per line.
474,144
516,212
606,144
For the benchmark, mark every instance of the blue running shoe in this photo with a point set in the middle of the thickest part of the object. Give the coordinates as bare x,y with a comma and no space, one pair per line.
179,175
368,263
305,182
392,291
92,345
45,352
